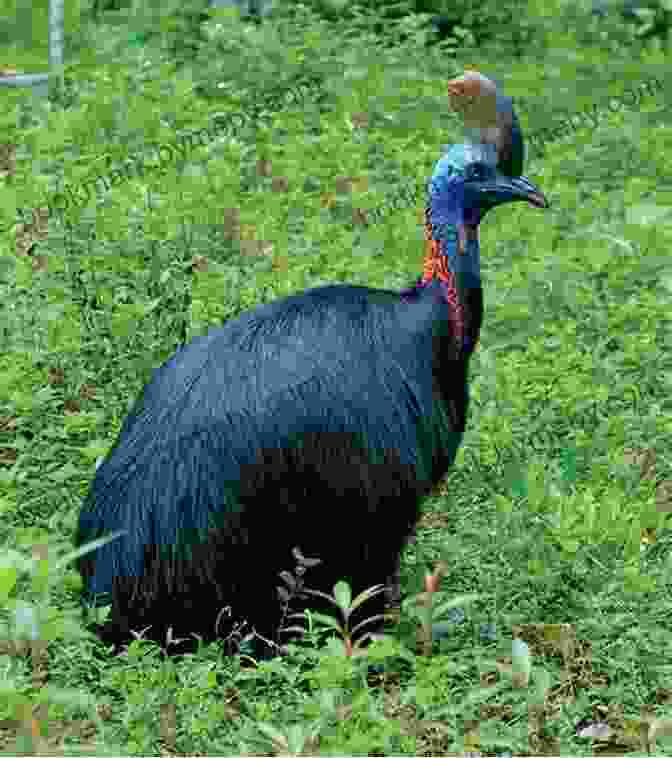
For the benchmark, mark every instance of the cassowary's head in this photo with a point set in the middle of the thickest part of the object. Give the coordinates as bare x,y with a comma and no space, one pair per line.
473,177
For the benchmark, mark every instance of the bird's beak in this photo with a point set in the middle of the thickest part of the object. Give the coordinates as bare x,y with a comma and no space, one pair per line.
505,189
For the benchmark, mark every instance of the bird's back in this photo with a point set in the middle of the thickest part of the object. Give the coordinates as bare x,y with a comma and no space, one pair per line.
337,334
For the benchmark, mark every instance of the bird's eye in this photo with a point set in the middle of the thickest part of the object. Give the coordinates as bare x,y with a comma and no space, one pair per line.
476,172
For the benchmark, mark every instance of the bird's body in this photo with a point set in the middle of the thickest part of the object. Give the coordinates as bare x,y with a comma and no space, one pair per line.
318,421
315,446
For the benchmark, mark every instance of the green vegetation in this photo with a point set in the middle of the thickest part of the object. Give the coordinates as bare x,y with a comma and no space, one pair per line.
558,508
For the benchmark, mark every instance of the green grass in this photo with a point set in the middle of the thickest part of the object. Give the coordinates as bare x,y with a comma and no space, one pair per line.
566,462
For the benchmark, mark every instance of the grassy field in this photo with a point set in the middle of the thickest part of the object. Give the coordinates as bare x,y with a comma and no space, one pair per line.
181,193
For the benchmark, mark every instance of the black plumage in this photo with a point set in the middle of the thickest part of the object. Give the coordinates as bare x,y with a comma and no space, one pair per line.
318,421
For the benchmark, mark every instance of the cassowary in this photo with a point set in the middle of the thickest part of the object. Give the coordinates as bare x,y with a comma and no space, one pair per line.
318,421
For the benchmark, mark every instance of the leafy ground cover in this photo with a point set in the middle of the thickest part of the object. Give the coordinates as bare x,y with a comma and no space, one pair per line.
556,514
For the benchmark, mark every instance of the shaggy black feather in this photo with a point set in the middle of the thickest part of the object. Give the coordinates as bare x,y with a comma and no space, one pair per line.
318,421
